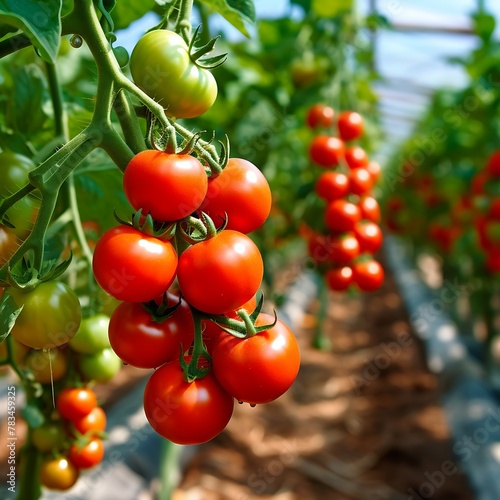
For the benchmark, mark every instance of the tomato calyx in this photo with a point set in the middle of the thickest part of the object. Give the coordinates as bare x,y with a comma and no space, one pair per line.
161,311
147,225
198,230
196,54
245,326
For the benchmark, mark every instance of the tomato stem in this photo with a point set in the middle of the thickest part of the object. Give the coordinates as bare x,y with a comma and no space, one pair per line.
183,23
192,371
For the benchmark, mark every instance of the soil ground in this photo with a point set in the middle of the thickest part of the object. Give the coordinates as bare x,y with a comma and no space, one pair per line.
362,421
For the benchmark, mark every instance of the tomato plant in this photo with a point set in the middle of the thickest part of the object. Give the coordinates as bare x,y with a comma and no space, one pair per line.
339,278
326,151
342,215
75,402
368,275
350,125
88,455
320,116
93,423
332,185
186,413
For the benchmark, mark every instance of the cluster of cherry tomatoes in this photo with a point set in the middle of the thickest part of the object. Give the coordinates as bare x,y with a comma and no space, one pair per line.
181,284
352,235
72,439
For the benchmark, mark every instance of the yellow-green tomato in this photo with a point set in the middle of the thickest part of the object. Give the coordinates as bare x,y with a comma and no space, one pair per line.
50,317
48,437
100,367
47,366
92,336
161,66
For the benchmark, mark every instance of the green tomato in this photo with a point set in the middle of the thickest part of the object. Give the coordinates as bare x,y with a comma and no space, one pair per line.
50,317
14,169
92,336
101,367
162,67
48,437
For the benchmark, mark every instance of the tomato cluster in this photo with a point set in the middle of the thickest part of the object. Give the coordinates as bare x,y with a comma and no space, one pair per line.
345,249
71,439
181,289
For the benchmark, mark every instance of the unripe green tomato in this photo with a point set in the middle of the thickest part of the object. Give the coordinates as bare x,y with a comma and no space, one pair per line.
92,336
102,366
161,66
14,169
48,437
121,55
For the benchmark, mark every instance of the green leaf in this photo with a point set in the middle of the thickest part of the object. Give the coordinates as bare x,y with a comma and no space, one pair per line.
41,21
26,102
9,311
33,415
128,11
237,12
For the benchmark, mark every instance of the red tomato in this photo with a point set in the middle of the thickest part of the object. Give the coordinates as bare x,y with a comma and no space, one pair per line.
356,157
370,209
336,249
479,182
222,273
493,261
332,185
341,215
132,266
350,125
88,455
94,422
493,164
369,236
168,186
368,275
260,368
320,116
326,151
8,244
186,413
141,341
240,192
360,181
74,403
375,170
338,279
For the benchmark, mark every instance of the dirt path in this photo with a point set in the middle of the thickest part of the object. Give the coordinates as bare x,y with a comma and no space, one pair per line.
362,421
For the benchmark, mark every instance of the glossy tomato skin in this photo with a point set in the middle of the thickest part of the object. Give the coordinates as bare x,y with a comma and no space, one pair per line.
338,249
50,317
168,186
8,244
58,474
132,266
360,181
222,273
240,192
92,336
368,275
186,413
326,151
143,342
161,66
320,116
47,366
74,403
101,366
332,185
356,157
369,236
370,209
87,456
341,215
339,279
375,170
260,368
92,423
350,125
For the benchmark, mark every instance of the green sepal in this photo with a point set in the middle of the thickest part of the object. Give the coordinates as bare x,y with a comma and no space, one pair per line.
9,311
197,53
